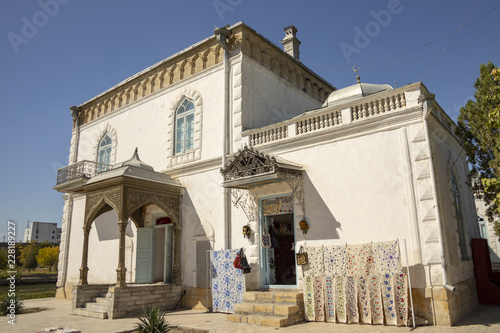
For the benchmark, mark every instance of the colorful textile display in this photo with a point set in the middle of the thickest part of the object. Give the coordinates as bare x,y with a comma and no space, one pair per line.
387,257
227,282
315,265
360,283
401,288
335,261
319,299
329,299
364,300
388,299
314,271
352,300
276,206
309,298
376,300
360,260
340,299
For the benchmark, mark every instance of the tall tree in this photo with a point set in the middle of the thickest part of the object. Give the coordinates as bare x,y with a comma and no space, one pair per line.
28,256
48,256
479,122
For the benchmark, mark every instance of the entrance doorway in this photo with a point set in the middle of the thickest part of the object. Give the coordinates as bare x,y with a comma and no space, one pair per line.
279,268
155,252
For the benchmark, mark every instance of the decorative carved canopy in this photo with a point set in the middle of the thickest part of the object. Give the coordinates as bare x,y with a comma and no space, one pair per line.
249,169
127,188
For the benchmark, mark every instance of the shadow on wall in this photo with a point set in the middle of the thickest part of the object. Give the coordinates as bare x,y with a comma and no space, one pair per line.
106,226
202,234
322,224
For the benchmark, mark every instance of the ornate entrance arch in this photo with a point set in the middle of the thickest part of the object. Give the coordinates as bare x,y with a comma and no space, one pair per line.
127,188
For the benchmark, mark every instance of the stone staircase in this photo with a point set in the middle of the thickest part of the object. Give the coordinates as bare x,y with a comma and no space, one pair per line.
276,308
98,308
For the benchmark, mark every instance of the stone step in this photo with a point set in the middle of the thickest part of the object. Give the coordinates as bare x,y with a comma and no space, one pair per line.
100,300
271,321
294,297
96,306
90,313
266,309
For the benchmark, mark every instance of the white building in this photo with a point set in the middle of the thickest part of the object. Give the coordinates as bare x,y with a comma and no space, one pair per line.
366,163
42,232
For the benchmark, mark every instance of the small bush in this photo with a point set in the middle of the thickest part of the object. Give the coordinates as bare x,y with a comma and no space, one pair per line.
152,321
6,305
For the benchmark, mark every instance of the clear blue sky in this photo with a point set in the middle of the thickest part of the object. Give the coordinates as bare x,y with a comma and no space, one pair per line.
54,56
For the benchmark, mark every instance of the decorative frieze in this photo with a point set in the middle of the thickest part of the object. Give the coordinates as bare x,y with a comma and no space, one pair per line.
163,75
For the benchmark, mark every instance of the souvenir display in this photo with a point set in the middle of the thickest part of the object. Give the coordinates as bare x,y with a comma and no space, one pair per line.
227,282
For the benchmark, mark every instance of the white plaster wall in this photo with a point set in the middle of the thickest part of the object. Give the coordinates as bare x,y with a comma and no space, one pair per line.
344,184
268,98
202,203
76,241
143,124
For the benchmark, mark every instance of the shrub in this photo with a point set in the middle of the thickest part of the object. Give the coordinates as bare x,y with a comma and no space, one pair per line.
152,321
6,305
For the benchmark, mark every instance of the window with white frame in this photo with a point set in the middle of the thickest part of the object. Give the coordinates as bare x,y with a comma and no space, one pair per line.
458,213
184,127
104,153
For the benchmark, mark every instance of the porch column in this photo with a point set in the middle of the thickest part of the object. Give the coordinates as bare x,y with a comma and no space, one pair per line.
84,269
176,269
121,270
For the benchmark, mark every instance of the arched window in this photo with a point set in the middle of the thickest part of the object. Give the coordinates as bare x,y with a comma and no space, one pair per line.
104,153
184,127
458,212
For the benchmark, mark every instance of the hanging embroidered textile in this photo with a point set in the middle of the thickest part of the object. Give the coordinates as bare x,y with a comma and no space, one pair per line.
359,259
309,298
227,282
352,300
360,283
364,300
335,261
329,299
340,299
319,299
388,299
314,270
281,205
388,258
401,288
376,300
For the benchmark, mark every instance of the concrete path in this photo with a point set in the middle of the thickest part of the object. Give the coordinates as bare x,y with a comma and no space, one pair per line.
484,319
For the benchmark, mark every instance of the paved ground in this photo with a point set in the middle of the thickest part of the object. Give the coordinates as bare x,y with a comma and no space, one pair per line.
58,314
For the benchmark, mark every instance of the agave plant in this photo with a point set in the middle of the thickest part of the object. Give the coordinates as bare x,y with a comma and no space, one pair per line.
9,307
152,321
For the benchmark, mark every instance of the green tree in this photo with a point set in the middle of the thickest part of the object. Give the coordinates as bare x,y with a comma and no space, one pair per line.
479,124
3,259
48,256
28,256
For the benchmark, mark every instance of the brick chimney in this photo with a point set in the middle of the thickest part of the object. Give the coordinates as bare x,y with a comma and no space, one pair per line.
290,42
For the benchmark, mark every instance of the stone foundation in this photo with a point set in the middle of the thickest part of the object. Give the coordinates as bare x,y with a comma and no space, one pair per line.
128,301
64,292
442,307
197,299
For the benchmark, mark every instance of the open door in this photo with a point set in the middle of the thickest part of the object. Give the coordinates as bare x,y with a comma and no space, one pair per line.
278,261
144,255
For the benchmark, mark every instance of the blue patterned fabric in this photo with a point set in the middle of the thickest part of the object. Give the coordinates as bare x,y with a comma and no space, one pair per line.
227,282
